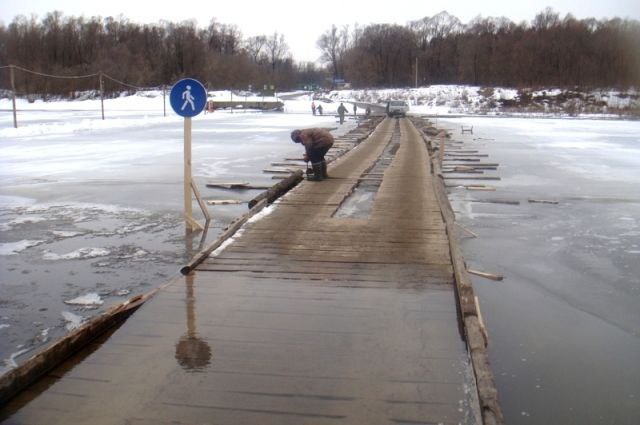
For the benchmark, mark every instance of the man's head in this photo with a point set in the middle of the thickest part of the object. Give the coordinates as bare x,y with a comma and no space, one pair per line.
295,136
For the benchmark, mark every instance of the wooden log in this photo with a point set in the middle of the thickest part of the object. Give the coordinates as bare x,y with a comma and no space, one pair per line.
448,167
483,328
224,202
472,178
475,164
490,276
496,201
461,168
479,187
278,189
228,185
441,148
543,201
467,155
450,171
279,171
462,159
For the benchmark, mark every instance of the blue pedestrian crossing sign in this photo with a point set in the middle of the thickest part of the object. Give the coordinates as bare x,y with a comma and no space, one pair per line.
188,97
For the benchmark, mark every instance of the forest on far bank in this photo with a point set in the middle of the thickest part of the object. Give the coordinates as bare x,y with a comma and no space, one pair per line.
549,51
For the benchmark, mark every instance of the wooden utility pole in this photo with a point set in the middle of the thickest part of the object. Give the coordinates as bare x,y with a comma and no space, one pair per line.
101,95
416,72
13,97
164,99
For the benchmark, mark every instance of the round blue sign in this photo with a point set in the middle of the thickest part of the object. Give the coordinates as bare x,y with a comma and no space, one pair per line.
188,97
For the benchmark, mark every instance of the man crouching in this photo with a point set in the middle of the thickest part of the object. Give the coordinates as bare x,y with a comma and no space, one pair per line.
317,142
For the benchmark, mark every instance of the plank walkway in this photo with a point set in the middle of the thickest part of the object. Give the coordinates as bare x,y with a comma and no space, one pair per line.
304,319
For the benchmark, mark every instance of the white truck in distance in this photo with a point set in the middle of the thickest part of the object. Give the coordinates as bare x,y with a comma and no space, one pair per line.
397,108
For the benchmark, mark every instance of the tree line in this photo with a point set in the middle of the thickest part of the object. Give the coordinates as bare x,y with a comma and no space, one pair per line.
142,55
548,51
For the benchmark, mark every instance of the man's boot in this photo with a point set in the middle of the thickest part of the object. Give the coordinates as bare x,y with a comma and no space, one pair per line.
324,170
317,171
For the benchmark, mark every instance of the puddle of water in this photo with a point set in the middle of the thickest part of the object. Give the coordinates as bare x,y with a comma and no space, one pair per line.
359,203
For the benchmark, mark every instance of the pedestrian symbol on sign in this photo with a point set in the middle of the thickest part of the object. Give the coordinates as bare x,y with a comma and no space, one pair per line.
188,97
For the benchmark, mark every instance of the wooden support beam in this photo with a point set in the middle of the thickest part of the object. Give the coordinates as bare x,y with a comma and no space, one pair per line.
466,230
472,178
543,201
224,202
278,189
490,276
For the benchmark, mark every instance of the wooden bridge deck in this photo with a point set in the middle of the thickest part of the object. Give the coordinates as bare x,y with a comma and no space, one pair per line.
304,319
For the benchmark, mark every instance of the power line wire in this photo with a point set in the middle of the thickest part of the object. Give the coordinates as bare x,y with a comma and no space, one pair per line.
42,74
71,77
123,83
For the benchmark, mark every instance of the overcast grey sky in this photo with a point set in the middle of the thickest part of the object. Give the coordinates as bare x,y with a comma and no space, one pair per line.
303,21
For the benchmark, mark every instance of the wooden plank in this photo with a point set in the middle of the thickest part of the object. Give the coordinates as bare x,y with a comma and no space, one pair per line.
496,201
475,164
224,202
279,171
467,155
490,276
543,201
236,185
472,178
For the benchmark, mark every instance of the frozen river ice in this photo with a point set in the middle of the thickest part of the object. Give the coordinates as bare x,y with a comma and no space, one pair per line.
564,325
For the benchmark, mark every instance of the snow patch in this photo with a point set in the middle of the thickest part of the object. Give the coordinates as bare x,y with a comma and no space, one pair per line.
11,248
81,253
262,214
62,234
72,321
91,299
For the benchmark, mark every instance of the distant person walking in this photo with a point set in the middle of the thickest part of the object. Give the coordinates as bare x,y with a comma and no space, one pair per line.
319,109
355,109
341,111
313,108
317,142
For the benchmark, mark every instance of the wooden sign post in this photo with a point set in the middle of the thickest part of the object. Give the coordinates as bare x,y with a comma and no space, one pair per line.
188,98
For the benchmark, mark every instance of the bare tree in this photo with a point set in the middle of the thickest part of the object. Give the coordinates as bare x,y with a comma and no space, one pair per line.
255,47
329,43
277,49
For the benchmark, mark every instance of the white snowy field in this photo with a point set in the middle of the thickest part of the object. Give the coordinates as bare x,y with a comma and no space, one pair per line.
90,214
446,100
